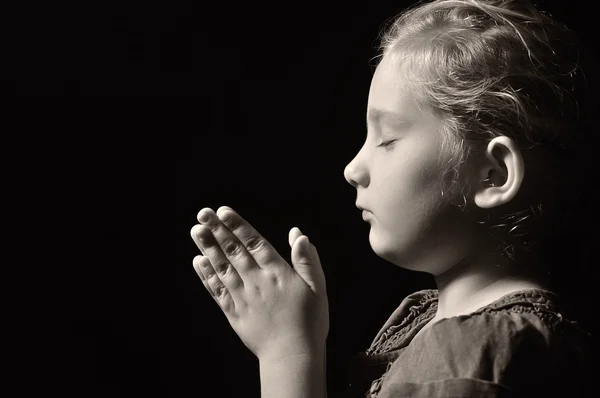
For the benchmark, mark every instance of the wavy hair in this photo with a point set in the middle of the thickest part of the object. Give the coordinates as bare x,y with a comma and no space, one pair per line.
492,68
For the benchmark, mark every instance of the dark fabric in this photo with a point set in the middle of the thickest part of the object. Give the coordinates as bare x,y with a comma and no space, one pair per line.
521,345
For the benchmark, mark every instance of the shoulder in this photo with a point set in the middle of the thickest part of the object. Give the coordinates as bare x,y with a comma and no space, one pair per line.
498,351
490,329
487,343
416,308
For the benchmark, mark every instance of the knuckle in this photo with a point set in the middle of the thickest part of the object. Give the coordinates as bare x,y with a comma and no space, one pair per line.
211,277
233,223
221,267
254,243
219,290
232,248
274,278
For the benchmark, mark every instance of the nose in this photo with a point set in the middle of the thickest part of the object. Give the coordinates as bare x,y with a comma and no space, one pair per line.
356,173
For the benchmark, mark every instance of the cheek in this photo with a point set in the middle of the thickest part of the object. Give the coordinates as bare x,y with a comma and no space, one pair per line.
411,202
411,187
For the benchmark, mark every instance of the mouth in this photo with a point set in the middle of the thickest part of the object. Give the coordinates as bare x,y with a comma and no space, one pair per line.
366,214
364,211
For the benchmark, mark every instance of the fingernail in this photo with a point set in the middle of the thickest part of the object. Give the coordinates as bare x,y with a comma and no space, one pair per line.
203,217
223,208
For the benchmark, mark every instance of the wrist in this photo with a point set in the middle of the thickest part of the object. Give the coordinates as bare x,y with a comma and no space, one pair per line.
292,359
301,375
292,351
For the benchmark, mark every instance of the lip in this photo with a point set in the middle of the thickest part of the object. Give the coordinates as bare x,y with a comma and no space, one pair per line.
366,214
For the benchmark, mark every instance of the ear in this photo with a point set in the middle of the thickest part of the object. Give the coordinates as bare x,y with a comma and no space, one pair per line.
501,173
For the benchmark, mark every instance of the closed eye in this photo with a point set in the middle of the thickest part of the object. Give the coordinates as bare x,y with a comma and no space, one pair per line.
387,144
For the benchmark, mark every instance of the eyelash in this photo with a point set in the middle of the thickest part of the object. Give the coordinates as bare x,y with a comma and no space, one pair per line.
387,144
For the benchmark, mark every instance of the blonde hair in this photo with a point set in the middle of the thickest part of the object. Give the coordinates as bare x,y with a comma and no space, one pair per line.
491,68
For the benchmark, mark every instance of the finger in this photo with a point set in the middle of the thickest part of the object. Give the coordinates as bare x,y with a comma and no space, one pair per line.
229,248
294,234
320,271
213,284
307,264
226,273
197,263
263,253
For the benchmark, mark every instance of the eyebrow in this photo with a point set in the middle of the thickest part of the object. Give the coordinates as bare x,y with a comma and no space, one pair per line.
375,115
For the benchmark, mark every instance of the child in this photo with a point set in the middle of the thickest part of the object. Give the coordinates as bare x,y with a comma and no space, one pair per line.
470,163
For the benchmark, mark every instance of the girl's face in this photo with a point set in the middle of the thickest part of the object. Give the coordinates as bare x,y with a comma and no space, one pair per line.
396,174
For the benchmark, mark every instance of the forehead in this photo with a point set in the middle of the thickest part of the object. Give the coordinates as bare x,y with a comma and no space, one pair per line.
391,91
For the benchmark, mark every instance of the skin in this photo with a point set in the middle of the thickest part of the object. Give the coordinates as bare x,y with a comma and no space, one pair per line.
275,309
281,312
412,224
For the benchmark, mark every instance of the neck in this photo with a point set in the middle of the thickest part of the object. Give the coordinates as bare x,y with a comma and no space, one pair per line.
475,282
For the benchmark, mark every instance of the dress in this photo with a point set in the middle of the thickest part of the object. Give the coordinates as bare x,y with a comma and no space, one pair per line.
521,345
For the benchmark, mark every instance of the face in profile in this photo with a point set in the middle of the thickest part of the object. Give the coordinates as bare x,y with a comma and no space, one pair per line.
397,177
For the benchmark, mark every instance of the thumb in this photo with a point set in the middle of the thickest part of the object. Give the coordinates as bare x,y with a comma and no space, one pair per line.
307,264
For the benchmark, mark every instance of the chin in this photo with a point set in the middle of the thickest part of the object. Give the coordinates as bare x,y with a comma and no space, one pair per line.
403,254
391,250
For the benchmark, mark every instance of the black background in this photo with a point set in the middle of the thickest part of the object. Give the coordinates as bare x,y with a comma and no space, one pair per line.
276,110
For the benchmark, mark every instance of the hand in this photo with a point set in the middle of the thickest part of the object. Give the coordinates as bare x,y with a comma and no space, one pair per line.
276,310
